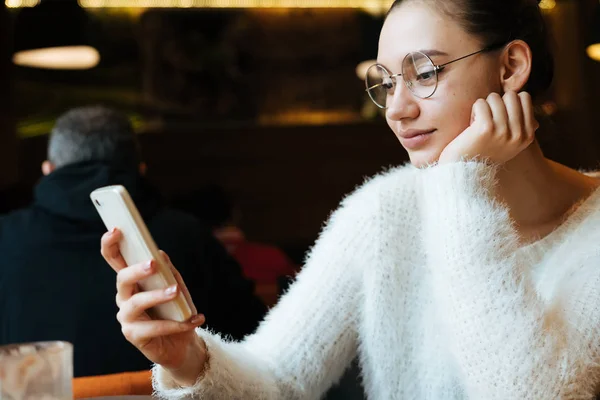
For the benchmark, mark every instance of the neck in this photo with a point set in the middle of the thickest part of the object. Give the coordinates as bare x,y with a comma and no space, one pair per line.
540,192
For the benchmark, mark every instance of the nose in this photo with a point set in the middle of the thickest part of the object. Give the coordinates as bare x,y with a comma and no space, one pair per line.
403,104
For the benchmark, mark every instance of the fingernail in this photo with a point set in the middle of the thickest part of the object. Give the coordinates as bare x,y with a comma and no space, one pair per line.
171,290
113,230
198,319
148,266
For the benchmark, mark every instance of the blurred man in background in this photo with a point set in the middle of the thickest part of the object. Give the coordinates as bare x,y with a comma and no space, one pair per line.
55,285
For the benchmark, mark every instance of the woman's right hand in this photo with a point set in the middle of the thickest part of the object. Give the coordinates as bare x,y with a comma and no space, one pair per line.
173,345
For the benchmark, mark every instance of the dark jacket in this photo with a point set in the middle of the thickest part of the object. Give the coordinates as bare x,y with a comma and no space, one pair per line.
54,284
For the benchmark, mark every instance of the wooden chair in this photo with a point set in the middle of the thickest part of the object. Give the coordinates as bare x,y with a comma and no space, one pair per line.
128,383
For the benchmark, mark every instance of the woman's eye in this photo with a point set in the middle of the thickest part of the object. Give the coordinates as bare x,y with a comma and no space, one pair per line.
425,75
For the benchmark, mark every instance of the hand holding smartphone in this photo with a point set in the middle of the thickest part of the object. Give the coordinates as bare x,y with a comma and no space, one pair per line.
117,210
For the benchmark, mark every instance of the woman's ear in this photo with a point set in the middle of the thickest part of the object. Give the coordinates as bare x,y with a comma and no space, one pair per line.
515,66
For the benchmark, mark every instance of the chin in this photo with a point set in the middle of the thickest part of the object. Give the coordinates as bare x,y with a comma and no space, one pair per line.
423,159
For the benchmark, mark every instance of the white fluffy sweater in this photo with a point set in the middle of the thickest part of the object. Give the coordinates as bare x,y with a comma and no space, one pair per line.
420,274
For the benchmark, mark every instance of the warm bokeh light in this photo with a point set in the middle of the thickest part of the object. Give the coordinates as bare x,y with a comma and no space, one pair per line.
593,51
549,108
309,117
21,3
547,4
364,4
375,7
70,57
361,69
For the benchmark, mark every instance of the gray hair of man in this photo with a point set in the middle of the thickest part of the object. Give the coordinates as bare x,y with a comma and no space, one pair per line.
92,133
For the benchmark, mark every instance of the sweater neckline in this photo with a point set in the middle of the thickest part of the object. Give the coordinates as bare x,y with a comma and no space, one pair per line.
576,217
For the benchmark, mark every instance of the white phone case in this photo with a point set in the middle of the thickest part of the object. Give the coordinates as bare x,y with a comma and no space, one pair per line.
117,210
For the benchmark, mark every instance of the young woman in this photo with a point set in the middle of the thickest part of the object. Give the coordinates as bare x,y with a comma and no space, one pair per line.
470,274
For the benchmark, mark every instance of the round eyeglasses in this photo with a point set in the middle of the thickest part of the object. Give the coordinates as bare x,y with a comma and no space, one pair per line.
419,73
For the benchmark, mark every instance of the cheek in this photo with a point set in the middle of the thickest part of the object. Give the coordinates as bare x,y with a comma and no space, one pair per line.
460,93
394,126
453,115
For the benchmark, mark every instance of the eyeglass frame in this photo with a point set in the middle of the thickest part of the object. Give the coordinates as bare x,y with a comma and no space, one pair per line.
437,68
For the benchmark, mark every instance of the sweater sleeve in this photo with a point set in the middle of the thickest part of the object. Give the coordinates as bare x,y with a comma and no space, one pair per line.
508,342
309,338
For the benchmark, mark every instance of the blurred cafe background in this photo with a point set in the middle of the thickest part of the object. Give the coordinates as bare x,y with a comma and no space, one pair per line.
263,98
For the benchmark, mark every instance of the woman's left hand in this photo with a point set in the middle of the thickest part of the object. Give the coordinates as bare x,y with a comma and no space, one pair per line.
501,127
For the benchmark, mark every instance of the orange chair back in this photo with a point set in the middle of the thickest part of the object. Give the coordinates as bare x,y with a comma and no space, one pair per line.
128,383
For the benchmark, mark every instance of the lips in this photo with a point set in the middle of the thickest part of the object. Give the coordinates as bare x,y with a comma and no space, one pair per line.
411,133
414,139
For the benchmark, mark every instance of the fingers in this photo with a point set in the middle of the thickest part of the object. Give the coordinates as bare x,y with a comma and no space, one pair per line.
513,116
499,115
180,283
128,278
141,332
110,250
530,122
132,309
483,116
516,121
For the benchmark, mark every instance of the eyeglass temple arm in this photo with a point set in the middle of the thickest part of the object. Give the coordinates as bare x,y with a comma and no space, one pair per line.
489,48
379,84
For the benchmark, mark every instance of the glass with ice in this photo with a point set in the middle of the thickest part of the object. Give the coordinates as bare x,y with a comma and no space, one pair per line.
36,371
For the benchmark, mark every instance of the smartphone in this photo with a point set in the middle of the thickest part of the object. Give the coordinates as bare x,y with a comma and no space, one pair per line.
117,210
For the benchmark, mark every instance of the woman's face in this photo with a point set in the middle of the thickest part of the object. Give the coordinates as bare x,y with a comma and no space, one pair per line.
425,126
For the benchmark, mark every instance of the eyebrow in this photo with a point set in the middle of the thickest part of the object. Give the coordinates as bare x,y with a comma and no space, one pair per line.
429,52
433,52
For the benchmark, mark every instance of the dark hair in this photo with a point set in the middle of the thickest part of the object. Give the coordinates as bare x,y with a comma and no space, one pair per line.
502,21
93,133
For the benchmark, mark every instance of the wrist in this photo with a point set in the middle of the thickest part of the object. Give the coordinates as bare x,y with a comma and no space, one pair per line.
193,366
